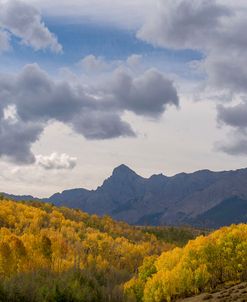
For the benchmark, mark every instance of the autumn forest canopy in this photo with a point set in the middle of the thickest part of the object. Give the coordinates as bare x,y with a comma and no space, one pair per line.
59,254
49,253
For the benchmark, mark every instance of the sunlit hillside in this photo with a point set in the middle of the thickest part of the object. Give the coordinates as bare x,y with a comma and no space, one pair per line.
49,253
204,264
59,254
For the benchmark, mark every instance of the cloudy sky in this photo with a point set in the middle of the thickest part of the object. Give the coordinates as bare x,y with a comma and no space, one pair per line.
86,85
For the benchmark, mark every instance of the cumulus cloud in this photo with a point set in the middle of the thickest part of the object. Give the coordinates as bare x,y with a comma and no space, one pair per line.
216,29
235,116
16,140
234,147
148,94
92,63
38,97
212,27
31,99
56,161
134,60
184,24
226,72
98,125
24,21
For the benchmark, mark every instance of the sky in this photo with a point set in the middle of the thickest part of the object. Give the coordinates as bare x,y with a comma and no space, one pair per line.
87,85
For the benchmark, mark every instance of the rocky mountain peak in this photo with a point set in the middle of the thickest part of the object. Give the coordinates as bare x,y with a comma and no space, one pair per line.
123,170
123,181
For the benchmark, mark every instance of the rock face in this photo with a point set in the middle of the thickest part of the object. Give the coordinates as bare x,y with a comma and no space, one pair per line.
203,198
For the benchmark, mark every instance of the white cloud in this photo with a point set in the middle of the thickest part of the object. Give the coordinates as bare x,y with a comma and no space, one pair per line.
93,64
134,60
56,161
10,114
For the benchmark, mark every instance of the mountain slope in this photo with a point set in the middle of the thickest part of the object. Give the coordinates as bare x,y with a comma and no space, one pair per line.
205,264
50,253
158,200
233,209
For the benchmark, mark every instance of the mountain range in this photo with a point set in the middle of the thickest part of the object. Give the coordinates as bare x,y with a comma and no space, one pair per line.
203,198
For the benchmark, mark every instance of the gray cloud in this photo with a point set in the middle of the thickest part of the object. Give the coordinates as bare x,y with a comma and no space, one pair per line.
216,30
17,139
184,24
235,116
24,21
148,94
31,99
227,72
97,125
38,97
235,147
56,161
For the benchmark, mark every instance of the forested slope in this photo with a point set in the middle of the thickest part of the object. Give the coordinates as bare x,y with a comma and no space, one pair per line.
204,264
59,254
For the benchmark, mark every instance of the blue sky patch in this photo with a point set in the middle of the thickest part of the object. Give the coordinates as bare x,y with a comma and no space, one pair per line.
82,39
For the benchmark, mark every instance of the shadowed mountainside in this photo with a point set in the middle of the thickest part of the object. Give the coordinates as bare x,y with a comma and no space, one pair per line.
203,198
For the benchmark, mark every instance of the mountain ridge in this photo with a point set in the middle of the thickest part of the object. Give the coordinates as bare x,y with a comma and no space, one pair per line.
159,199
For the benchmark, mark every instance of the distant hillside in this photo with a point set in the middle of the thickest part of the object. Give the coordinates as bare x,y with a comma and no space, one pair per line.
204,198
19,197
231,210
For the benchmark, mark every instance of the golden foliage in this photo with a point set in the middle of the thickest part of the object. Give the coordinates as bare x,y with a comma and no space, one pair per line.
36,235
201,265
